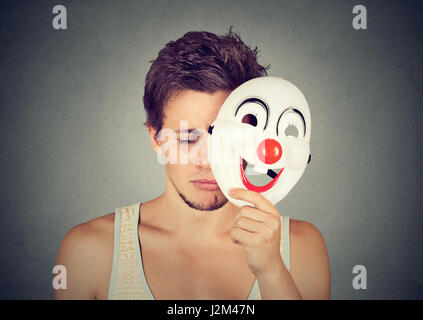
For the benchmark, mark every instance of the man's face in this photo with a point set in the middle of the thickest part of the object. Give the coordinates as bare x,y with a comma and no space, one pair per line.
194,110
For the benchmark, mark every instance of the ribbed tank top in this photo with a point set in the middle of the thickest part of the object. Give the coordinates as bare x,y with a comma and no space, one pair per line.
127,280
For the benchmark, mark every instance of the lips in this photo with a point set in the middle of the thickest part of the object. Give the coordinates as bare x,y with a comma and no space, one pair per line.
249,185
204,181
205,184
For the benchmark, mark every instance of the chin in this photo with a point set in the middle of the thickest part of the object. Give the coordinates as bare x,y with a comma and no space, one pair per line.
206,200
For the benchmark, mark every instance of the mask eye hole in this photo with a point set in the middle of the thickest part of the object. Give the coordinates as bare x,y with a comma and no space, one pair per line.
291,124
250,119
291,130
252,112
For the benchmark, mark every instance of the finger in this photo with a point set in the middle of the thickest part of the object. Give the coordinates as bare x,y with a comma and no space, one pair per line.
251,213
249,225
255,198
259,216
240,236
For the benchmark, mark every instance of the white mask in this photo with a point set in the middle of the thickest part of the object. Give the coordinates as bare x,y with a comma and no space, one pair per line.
274,142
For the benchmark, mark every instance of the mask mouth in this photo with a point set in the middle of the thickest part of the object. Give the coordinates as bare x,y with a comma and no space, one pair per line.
258,178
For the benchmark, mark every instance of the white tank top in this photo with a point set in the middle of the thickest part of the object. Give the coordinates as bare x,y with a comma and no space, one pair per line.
127,280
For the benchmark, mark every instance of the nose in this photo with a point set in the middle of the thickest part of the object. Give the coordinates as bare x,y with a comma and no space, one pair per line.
269,151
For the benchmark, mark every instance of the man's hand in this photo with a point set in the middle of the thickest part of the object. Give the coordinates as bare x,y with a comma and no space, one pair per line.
258,230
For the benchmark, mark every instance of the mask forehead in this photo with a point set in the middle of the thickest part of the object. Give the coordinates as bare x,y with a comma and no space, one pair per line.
276,94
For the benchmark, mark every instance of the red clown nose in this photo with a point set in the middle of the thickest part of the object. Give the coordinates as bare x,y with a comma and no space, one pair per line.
269,151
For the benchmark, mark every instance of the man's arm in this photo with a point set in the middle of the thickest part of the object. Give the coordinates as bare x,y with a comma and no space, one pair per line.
309,261
78,254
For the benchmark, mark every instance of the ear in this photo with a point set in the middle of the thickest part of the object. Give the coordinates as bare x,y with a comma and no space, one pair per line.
153,139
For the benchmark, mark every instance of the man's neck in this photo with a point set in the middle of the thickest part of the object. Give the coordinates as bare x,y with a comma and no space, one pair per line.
195,225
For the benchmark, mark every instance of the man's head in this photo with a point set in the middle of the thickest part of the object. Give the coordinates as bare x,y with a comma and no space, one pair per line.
189,81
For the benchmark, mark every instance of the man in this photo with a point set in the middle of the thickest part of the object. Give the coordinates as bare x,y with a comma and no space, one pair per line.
196,244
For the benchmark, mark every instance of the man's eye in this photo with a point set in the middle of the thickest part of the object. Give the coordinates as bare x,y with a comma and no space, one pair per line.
187,141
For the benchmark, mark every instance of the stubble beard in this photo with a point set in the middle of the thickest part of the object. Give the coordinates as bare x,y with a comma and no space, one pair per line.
212,207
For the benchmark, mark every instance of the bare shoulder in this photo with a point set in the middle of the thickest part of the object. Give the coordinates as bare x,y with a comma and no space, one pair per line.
93,229
310,267
304,231
86,252
306,241
92,235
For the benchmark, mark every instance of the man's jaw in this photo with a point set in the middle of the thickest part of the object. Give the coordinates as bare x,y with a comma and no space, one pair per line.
214,205
211,207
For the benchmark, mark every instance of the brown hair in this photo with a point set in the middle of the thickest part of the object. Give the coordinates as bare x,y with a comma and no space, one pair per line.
200,61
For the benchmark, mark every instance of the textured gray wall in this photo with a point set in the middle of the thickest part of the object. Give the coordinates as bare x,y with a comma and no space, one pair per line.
74,148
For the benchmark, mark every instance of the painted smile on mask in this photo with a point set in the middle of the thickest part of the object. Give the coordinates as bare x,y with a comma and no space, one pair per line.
274,176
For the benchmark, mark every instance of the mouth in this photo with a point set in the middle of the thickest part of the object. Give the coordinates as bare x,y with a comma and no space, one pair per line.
206,185
258,179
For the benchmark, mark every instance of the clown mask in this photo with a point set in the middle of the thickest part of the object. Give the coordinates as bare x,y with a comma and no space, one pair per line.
260,139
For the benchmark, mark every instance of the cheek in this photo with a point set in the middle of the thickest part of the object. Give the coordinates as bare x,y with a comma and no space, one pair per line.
179,171
187,156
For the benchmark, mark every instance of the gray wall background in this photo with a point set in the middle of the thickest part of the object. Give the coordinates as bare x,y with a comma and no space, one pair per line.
74,148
